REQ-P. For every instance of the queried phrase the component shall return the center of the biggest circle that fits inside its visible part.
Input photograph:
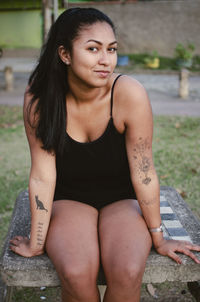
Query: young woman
(93, 188)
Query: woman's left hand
(21, 246)
(170, 247)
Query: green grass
(167, 291)
(14, 161)
(35, 294)
(176, 148)
(10, 116)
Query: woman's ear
(64, 55)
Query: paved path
(163, 94)
(161, 88)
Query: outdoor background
(156, 40)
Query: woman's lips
(102, 73)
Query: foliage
(136, 61)
(149, 58)
(196, 62)
(23, 4)
(184, 53)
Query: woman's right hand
(21, 246)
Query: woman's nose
(104, 59)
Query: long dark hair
(48, 82)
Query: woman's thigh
(125, 241)
(72, 239)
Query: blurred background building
(142, 26)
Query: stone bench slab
(39, 271)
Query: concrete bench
(178, 221)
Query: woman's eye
(93, 49)
(112, 49)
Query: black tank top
(97, 172)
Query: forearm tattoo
(147, 202)
(143, 163)
(40, 240)
(39, 204)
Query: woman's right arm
(41, 191)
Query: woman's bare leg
(125, 244)
(72, 245)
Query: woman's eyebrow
(100, 43)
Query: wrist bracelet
(155, 230)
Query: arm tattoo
(39, 204)
(39, 235)
(144, 164)
(148, 202)
(145, 167)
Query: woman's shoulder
(29, 108)
(27, 97)
(129, 92)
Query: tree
(47, 17)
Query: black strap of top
(112, 91)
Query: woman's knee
(77, 279)
(129, 272)
(126, 276)
(83, 273)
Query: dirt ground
(166, 292)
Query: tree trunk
(47, 17)
(55, 10)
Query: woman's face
(94, 55)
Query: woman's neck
(83, 93)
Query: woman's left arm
(139, 131)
